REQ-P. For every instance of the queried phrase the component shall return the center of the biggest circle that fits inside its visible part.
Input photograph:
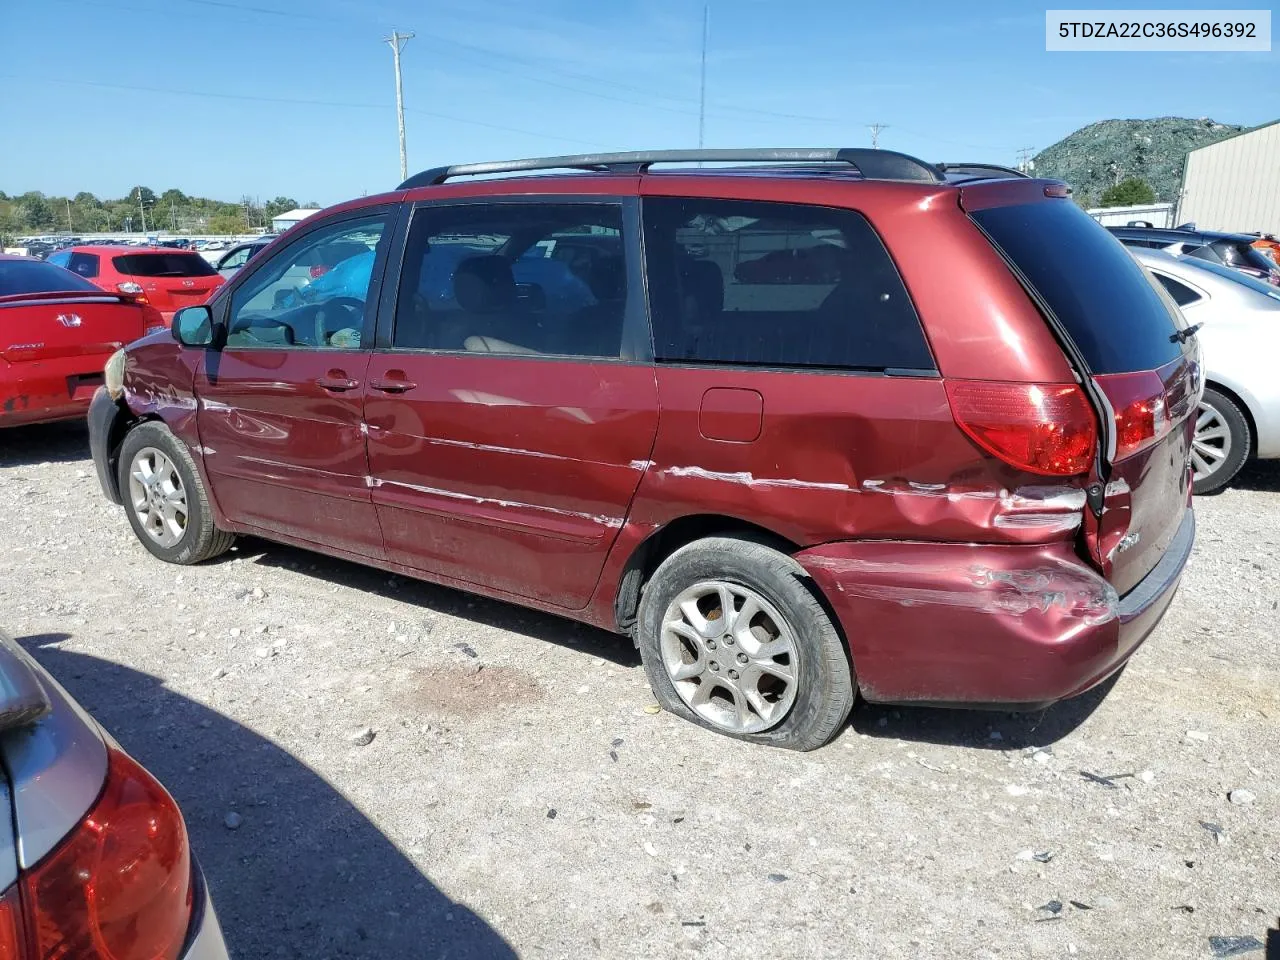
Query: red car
(167, 278)
(928, 460)
(56, 332)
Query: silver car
(1240, 338)
(96, 861)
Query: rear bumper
(45, 399)
(983, 625)
(205, 940)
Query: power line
(397, 41)
(299, 101)
(875, 129)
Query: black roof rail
(979, 170)
(872, 164)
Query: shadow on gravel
(1261, 475)
(974, 728)
(435, 599)
(44, 443)
(306, 875)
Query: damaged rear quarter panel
(959, 623)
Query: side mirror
(193, 327)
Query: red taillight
(132, 290)
(1141, 407)
(11, 926)
(319, 270)
(1045, 428)
(119, 887)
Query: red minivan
(167, 278)
(827, 422)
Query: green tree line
(171, 211)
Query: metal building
(1234, 184)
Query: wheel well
(1244, 409)
(678, 533)
(121, 424)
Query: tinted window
(1181, 293)
(164, 265)
(776, 285)
(526, 278)
(1239, 254)
(1097, 291)
(61, 259)
(299, 297)
(37, 276)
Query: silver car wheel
(158, 497)
(1211, 444)
(731, 656)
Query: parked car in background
(167, 279)
(56, 332)
(1239, 318)
(1235, 250)
(95, 861)
(894, 464)
(235, 258)
(1269, 245)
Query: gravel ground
(517, 797)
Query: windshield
(1245, 279)
(36, 276)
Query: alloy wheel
(731, 656)
(158, 497)
(1211, 444)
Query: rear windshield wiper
(1185, 334)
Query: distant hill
(1102, 154)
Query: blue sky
(265, 97)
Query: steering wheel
(350, 304)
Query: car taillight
(132, 290)
(11, 926)
(119, 887)
(1141, 407)
(319, 270)
(1045, 428)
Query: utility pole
(1025, 163)
(875, 129)
(69, 227)
(142, 211)
(702, 90)
(397, 41)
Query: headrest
(484, 284)
(703, 282)
(607, 279)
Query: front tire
(164, 498)
(1221, 443)
(734, 638)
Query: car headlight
(113, 375)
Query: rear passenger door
(511, 402)
(791, 368)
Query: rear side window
(1181, 293)
(775, 285)
(35, 276)
(1097, 291)
(84, 264)
(164, 265)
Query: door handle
(397, 385)
(336, 380)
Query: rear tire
(735, 639)
(164, 498)
(1222, 442)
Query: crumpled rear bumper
(986, 625)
